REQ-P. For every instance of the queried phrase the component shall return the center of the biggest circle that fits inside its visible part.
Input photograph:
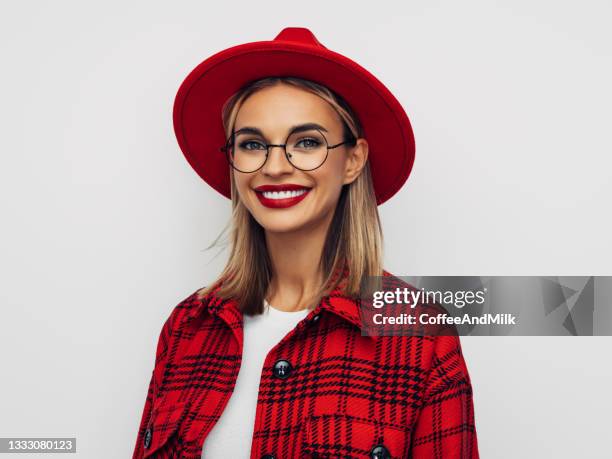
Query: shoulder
(439, 346)
(183, 310)
(180, 313)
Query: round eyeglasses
(305, 150)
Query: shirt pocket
(160, 432)
(347, 436)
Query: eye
(309, 143)
(251, 145)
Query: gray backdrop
(104, 223)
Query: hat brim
(200, 98)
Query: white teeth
(283, 194)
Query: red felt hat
(294, 52)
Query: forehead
(275, 109)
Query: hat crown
(300, 35)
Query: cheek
(242, 183)
(242, 189)
(329, 186)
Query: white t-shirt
(231, 436)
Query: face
(275, 111)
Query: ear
(356, 160)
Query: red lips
(281, 202)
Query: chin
(281, 225)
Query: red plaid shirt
(326, 391)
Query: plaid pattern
(346, 395)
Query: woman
(269, 361)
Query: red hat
(294, 52)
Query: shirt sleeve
(446, 427)
(160, 358)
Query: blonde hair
(354, 239)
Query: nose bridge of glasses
(283, 153)
(281, 145)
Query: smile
(283, 194)
(281, 198)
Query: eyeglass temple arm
(341, 143)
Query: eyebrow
(297, 128)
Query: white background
(104, 224)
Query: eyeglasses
(305, 150)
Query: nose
(277, 163)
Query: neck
(295, 258)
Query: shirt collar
(336, 302)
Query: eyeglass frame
(225, 148)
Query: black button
(268, 456)
(147, 437)
(316, 317)
(380, 452)
(281, 369)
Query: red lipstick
(281, 196)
